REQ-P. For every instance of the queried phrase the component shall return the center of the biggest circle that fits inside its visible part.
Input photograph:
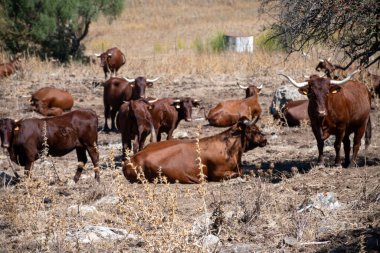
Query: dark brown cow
(338, 108)
(7, 69)
(111, 61)
(168, 112)
(77, 130)
(220, 156)
(50, 101)
(294, 112)
(227, 113)
(135, 124)
(117, 90)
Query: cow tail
(368, 133)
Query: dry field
(283, 204)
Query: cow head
(326, 66)
(251, 90)
(104, 58)
(6, 132)
(184, 106)
(139, 85)
(317, 89)
(251, 136)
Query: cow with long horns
(338, 108)
(228, 112)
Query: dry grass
(260, 211)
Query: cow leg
(82, 160)
(337, 145)
(320, 143)
(94, 155)
(113, 116)
(106, 116)
(357, 142)
(28, 168)
(347, 149)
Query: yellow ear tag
(304, 92)
(334, 91)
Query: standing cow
(168, 112)
(25, 139)
(135, 123)
(117, 90)
(338, 108)
(228, 112)
(50, 101)
(111, 61)
(178, 160)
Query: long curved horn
(176, 100)
(260, 87)
(241, 86)
(321, 60)
(129, 80)
(337, 82)
(328, 59)
(152, 80)
(109, 54)
(197, 100)
(298, 85)
(152, 101)
(97, 55)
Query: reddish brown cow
(228, 112)
(338, 108)
(117, 90)
(220, 156)
(77, 130)
(168, 112)
(50, 101)
(135, 123)
(111, 61)
(7, 69)
(294, 112)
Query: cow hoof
(337, 166)
(320, 166)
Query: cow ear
(335, 88)
(303, 90)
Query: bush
(268, 42)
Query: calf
(135, 123)
(168, 112)
(50, 101)
(111, 61)
(25, 139)
(338, 108)
(117, 90)
(181, 161)
(228, 112)
(7, 69)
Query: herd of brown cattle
(336, 105)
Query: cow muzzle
(322, 113)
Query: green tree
(51, 28)
(352, 26)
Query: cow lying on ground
(117, 90)
(168, 112)
(50, 101)
(111, 61)
(135, 124)
(227, 113)
(77, 130)
(177, 160)
(7, 69)
(338, 108)
(295, 112)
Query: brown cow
(294, 112)
(111, 61)
(135, 123)
(338, 108)
(50, 101)
(168, 112)
(77, 130)
(178, 160)
(227, 113)
(117, 90)
(7, 69)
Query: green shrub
(198, 45)
(268, 42)
(216, 43)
